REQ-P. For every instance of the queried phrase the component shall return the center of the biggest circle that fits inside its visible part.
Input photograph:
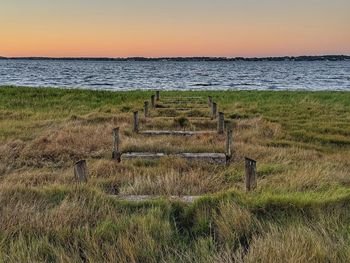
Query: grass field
(300, 211)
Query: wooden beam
(183, 98)
(183, 106)
(145, 198)
(181, 109)
(167, 118)
(208, 157)
(175, 133)
(157, 95)
(202, 103)
(142, 155)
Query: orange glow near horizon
(158, 28)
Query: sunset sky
(156, 28)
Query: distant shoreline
(198, 59)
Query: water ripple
(131, 75)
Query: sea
(175, 75)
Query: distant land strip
(284, 58)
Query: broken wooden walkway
(211, 157)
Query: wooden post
(250, 174)
(136, 121)
(153, 101)
(116, 145)
(229, 144)
(157, 95)
(214, 110)
(221, 123)
(146, 111)
(80, 171)
(210, 101)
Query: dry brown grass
(295, 244)
(45, 216)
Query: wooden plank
(181, 109)
(175, 133)
(184, 102)
(145, 198)
(183, 106)
(208, 157)
(182, 98)
(143, 155)
(207, 119)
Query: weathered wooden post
(229, 144)
(153, 101)
(221, 123)
(250, 174)
(210, 101)
(80, 171)
(116, 145)
(146, 110)
(136, 121)
(157, 95)
(214, 110)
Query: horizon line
(178, 57)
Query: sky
(170, 28)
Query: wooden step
(167, 118)
(182, 98)
(182, 106)
(183, 109)
(208, 157)
(183, 102)
(145, 198)
(175, 133)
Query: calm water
(129, 75)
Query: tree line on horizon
(282, 58)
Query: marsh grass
(299, 212)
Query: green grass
(299, 212)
